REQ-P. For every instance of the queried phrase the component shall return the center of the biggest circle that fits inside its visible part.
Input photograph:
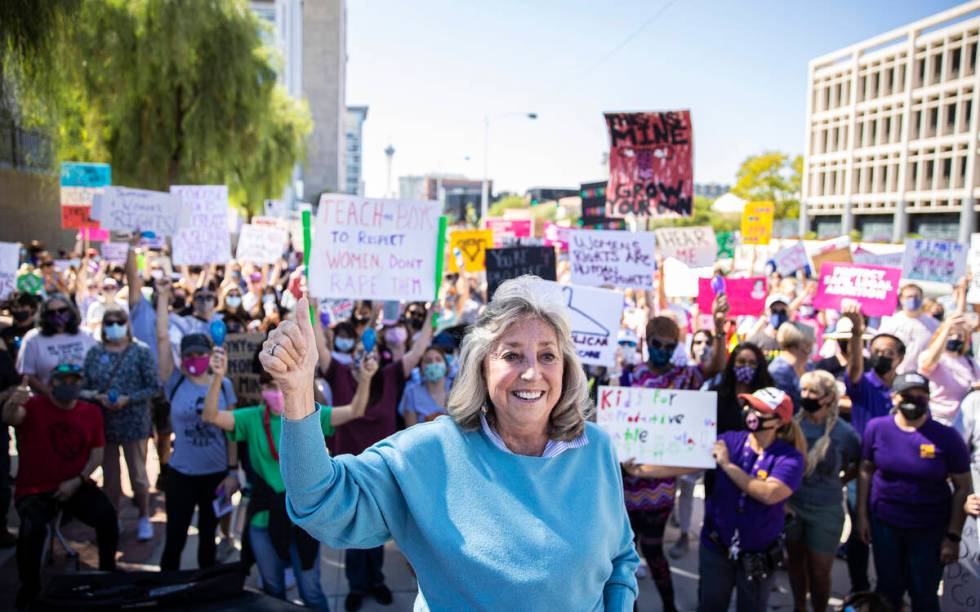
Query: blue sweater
(483, 529)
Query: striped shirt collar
(552, 449)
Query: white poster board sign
(694, 246)
(660, 426)
(203, 235)
(941, 261)
(374, 249)
(595, 315)
(614, 258)
(9, 262)
(261, 244)
(681, 280)
(961, 580)
(115, 252)
(973, 265)
(125, 209)
(791, 259)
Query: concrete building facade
(353, 151)
(892, 133)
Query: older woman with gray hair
(488, 503)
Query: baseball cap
(195, 343)
(66, 369)
(627, 335)
(770, 400)
(776, 297)
(910, 380)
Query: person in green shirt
(275, 541)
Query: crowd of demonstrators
(821, 416)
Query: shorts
(160, 413)
(819, 527)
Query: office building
(711, 190)
(455, 191)
(354, 139)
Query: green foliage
(775, 177)
(513, 201)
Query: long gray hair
(517, 300)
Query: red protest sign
(651, 170)
(875, 287)
(77, 217)
(746, 296)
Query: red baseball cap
(770, 400)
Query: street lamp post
(485, 186)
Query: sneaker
(680, 547)
(225, 549)
(382, 594)
(144, 529)
(641, 571)
(353, 601)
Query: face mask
(911, 304)
(778, 318)
(434, 371)
(65, 393)
(397, 335)
(810, 404)
(268, 298)
(954, 345)
(20, 315)
(913, 409)
(660, 357)
(237, 275)
(196, 366)
(630, 355)
(274, 400)
(114, 331)
(745, 374)
(233, 301)
(344, 345)
(881, 365)
(255, 276)
(180, 302)
(938, 316)
(75, 262)
(156, 274)
(753, 422)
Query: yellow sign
(757, 222)
(470, 247)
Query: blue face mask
(114, 331)
(778, 318)
(434, 371)
(343, 345)
(660, 357)
(912, 304)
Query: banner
(504, 264)
(757, 222)
(241, 350)
(261, 244)
(125, 209)
(472, 245)
(746, 296)
(556, 235)
(660, 426)
(373, 249)
(875, 287)
(115, 252)
(610, 257)
(651, 169)
(506, 230)
(9, 262)
(594, 315)
(791, 259)
(726, 245)
(203, 235)
(80, 182)
(940, 261)
(694, 246)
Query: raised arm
(719, 352)
(165, 356)
(414, 356)
(224, 419)
(13, 409)
(133, 278)
(929, 358)
(355, 410)
(855, 347)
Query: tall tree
(772, 176)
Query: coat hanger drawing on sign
(597, 329)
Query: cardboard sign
(841, 255)
(261, 244)
(651, 164)
(746, 296)
(472, 245)
(372, 249)
(609, 257)
(660, 426)
(791, 259)
(757, 222)
(694, 246)
(506, 230)
(556, 235)
(940, 261)
(875, 287)
(504, 264)
(79, 183)
(594, 315)
(726, 245)
(241, 350)
(115, 252)
(973, 264)
(9, 262)
(125, 209)
(203, 235)
(889, 260)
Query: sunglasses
(656, 344)
(203, 297)
(57, 310)
(113, 321)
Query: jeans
(720, 575)
(272, 569)
(183, 494)
(858, 552)
(363, 568)
(908, 560)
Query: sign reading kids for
(609, 257)
(942, 261)
(373, 249)
(472, 247)
(203, 235)
(660, 426)
(651, 170)
(79, 184)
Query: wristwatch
(953, 537)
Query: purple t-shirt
(870, 398)
(909, 488)
(729, 508)
(378, 421)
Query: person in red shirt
(60, 441)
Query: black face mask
(881, 365)
(913, 409)
(180, 302)
(810, 404)
(754, 422)
(65, 393)
(954, 345)
(20, 315)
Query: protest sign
(276, 208)
(472, 245)
(651, 169)
(791, 259)
(940, 261)
(840, 255)
(124, 209)
(875, 287)
(338, 310)
(726, 245)
(594, 315)
(261, 244)
(506, 230)
(757, 222)
(79, 183)
(504, 264)
(660, 426)
(241, 350)
(115, 252)
(681, 280)
(9, 262)
(694, 246)
(203, 235)
(609, 257)
(556, 235)
(746, 296)
(92, 234)
(961, 579)
(30, 283)
(889, 260)
(373, 249)
(973, 264)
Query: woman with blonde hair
(486, 503)
(815, 512)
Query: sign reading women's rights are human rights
(374, 249)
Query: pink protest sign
(506, 230)
(746, 296)
(93, 234)
(556, 235)
(875, 287)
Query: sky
(432, 70)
